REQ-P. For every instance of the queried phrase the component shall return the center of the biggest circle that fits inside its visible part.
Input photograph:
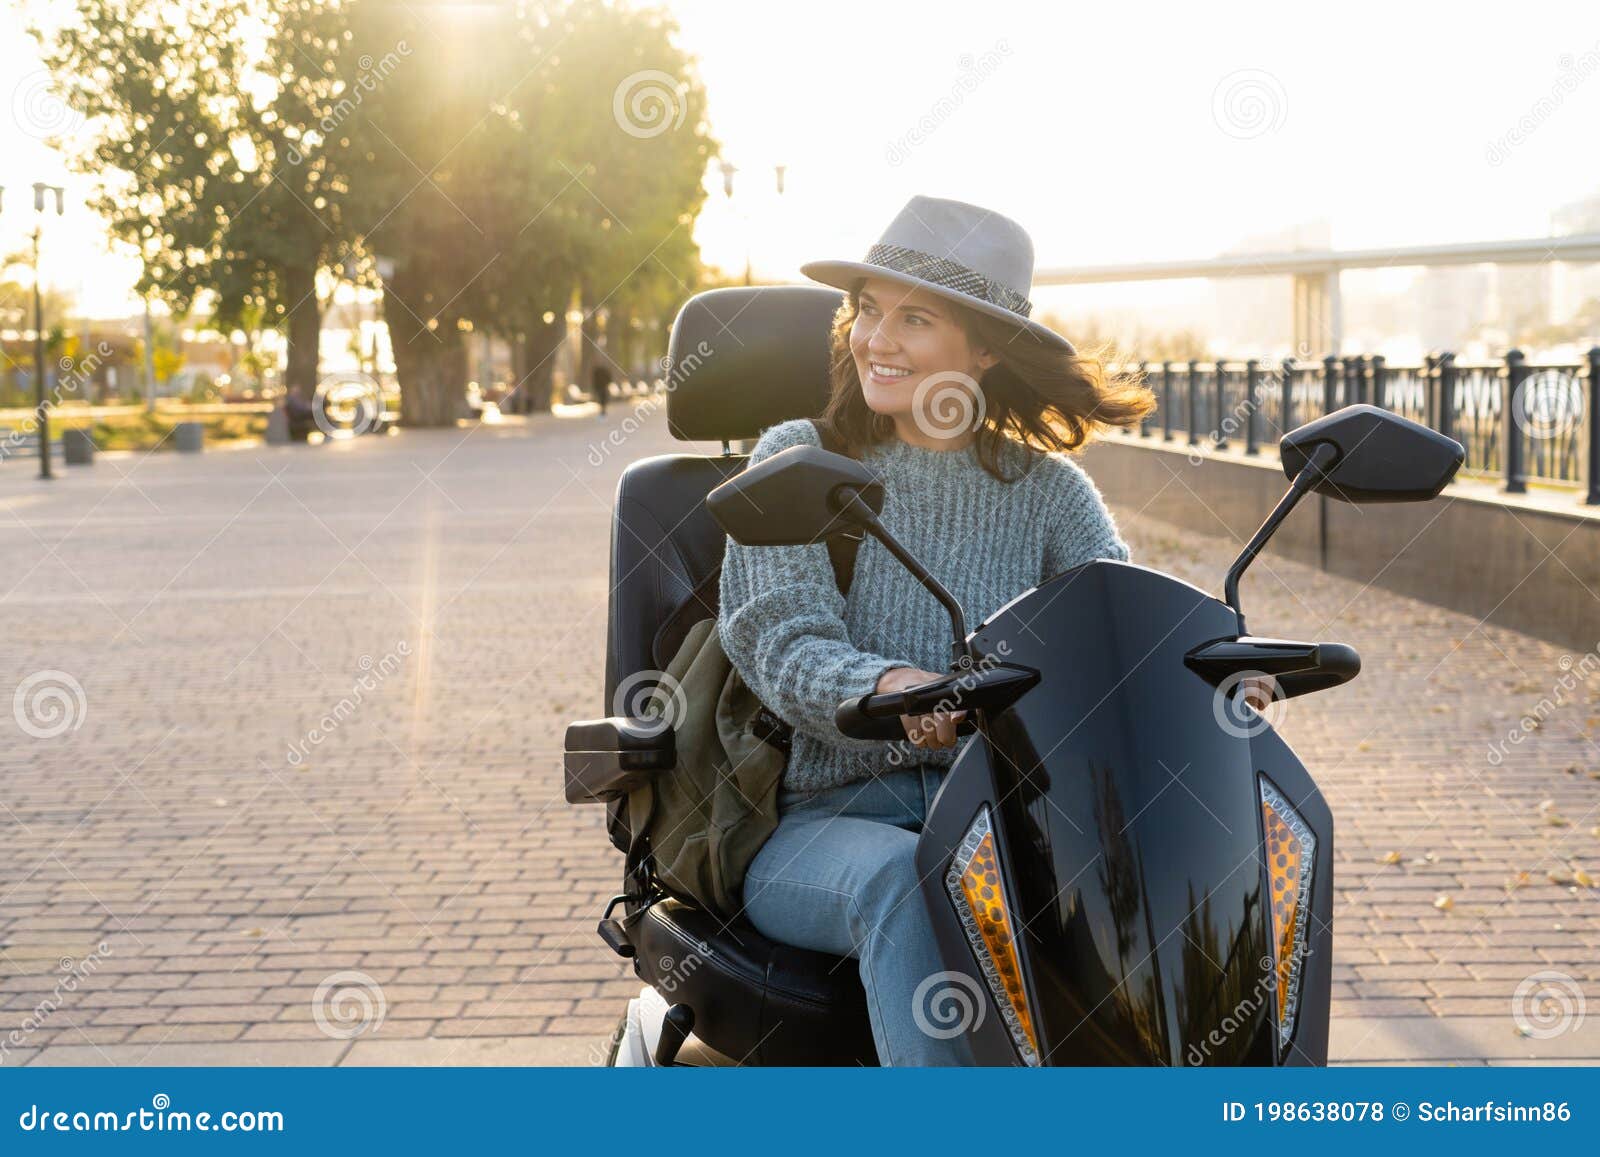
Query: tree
(622, 108)
(429, 143)
(212, 129)
(503, 182)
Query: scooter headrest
(744, 359)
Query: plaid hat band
(948, 274)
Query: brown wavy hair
(1038, 395)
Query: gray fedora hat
(972, 256)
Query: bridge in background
(1318, 315)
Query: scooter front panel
(1128, 825)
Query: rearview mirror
(793, 498)
(1380, 456)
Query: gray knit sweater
(802, 647)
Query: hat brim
(845, 274)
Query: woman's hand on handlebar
(936, 730)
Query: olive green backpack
(700, 824)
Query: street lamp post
(728, 170)
(41, 407)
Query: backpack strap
(843, 547)
(704, 601)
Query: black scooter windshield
(1127, 801)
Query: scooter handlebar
(878, 716)
(852, 719)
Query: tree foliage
(491, 165)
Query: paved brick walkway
(310, 704)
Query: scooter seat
(754, 1000)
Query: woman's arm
(1081, 526)
(782, 623)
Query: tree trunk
(588, 341)
(430, 364)
(619, 344)
(304, 328)
(536, 375)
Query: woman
(964, 407)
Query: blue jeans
(839, 875)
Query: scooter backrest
(741, 360)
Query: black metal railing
(1519, 420)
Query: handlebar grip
(852, 719)
(878, 716)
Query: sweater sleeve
(782, 623)
(1082, 528)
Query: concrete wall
(1527, 562)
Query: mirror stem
(863, 516)
(1310, 474)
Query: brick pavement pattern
(282, 763)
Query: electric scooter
(1125, 864)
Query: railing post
(1430, 370)
(1166, 401)
(1252, 385)
(1380, 382)
(1286, 418)
(1594, 428)
(1516, 373)
(1194, 399)
(1353, 391)
(1330, 383)
(1447, 394)
(1219, 436)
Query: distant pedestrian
(301, 413)
(602, 386)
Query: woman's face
(901, 336)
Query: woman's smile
(886, 373)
